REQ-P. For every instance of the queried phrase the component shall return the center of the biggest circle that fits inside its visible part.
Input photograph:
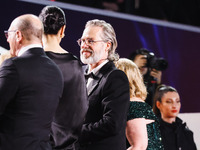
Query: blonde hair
(137, 87)
(4, 56)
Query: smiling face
(169, 106)
(95, 52)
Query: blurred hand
(156, 74)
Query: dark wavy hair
(53, 18)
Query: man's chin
(88, 60)
(85, 60)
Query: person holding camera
(151, 68)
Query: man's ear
(108, 46)
(19, 36)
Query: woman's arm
(136, 133)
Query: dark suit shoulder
(113, 77)
(8, 61)
(110, 70)
(8, 68)
(117, 71)
(117, 76)
(108, 67)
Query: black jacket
(105, 121)
(176, 136)
(30, 88)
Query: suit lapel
(94, 83)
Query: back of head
(160, 91)
(137, 87)
(108, 34)
(30, 26)
(53, 18)
(28, 30)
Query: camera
(152, 61)
(156, 63)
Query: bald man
(30, 87)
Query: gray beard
(93, 59)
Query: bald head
(30, 26)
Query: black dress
(176, 136)
(143, 110)
(73, 104)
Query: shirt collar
(24, 49)
(95, 70)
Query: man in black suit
(108, 89)
(30, 87)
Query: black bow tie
(90, 75)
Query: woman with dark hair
(73, 104)
(175, 134)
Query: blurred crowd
(179, 11)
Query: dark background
(181, 47)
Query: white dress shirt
(95, 71)
(24, 49)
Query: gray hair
(109, 35)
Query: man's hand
(156, 74)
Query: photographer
(151, 68)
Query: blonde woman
(142, 128)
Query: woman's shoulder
(140, 104)
(62, 56)
(139, 109)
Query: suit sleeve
(114, 103)
(8, 84)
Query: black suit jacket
(104, 126)
(30, 88)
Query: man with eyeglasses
(30, 88)
(107, 87)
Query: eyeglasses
(88, 42)
(6, 32)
